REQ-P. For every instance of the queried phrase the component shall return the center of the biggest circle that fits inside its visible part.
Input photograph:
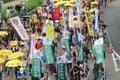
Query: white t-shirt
(61, 59)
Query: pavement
(12, 3)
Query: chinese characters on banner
(48, 50)
(16, 22)
(89, 22)
(36, 70)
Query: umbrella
(92, 10)
(68, 4)
(93, 3)
(2, 33)
(13, 43)
(14, 63)
(60, 3)
(16, 55)
(5, 52)
(2, 60)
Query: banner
(81, 51)
(36, 68)
(51, 9)
(50, 31)
(65, 34)
(49, 54)
(61, 72)
(32, 43)
(71, 23)
(96, 20)
(78, 5)
(19, 27)
(67, 46)
(47, 41)
(89, 23)
(57, 13)
(65, 25)
(98, 50)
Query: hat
(21, 70)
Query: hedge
(30, 5)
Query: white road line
(115, 64)
(114, 52)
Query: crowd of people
(75, 68)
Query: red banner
(57, 13)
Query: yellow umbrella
(60, 3)
(16, 55)
(14, 63)
(5, 52)
(94, 3)
(13, 43)
(68, 4)
(2, 60)
(2, 33)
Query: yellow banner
(89, 22)
(50, 31)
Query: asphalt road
(112, 16)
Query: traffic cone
(110, 50)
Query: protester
(73, 51)
(22, 74)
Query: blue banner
(96, 20)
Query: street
(111, 15)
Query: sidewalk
(12, 3)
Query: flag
(71, 23)
(96, 20)
(81, 51)
(57, 13)
(98, 50)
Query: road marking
(113, 54)
(115, 62)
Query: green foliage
(30, 5)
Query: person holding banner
(84, 71)
(74, 71)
